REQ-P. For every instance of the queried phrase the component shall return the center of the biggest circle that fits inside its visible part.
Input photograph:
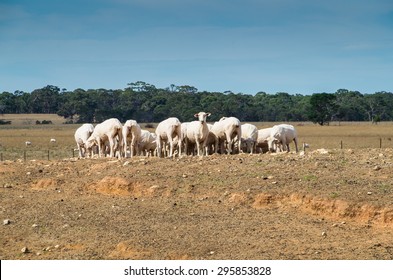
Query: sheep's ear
(208, 114)
(196, 115)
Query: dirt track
(334, 205)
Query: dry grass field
(24, 128)
(327, 203)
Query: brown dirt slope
(335, 204)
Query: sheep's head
(89, 144)
(272, 143)
(202, 116)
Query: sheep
(147, 143)
(226, 129)
(197, 132)
(262, 139)
(166, 131)
(211, 140)
(282, 134)
(249, 137)
(81, 135)
(108, 130)
(53, 140)
(28, 143)
(184, 134)
(131, 129)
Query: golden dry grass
(353, 135)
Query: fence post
(24, 155)
(341, 144)
(48, 154)
(1, 157)
(73, 153)
(380, 143)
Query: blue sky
(294, 46)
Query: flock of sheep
(172, 137)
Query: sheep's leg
(159, 147)
(170, 140)
(186, 146)
(229, 140)
(120, 135)
(295, 140)
(179, 145)
(111, 147)
(204, 147)
(132, 146)
(216, 142)
(198, 147)
(80, 150)
(125, 144)
(99, 148)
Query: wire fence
(59, 153)
(38, 154)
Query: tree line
(146, 103)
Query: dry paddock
(329, 203)
(334, 205)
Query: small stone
(211, 252)
(6, 222)
(7, 186)
(34, 225)
(274, 182)
(376, 168)
(324, 234)
(185, 176)
(28, 173)
(57, 246)
(25, 250)
(369, 193)
(126, 163)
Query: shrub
(2, 122)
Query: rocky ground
(325, 204)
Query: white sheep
(53, 140)
(197, 132)
(108, 130)
(166, 131)
(184, 134)
(28, 143)
(226, 129)
(148, 143)
(131, 131)
(211, 140)
(81, 135)
(249, 137)
(282, 134)
(262, 140)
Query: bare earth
(334, 205)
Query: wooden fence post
(24, 155)
(380, 143)
(341, 144)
